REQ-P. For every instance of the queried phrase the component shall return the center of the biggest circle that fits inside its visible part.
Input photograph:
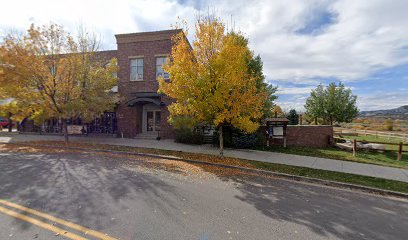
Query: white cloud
(102, 17)
(295, 90)
(382, 100)
(297, 102)
(365, 37)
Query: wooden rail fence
(399, 151)
(357, 132)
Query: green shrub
(261, 139)
(242, 140)
(188, 136)
(234, 138)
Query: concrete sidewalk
(263, 156)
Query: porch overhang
(144, 100)
(146, 94)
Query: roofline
(146, 36)
(105, 51)
(148, 33)
(113, 50)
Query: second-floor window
(160, 61)
(136, 69)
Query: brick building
(141, 111)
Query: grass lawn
(280, 168)
(387, 158)
(335, 176)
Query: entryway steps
(146, 135)
(207, 139)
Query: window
(160, 61)
(136, 69)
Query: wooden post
(354, 147)
(267, 138)
(399, 151)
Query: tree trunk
(65, 127)
(315, 120)
(221, 141)
(331, 121)
(10, 122)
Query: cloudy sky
(363, 43)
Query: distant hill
(395, 113)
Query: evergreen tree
(293, 117)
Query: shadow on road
(87, 182)
(77, 187)
(325, 211)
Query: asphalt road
(133, 198)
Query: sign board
(276, 128)
(278, 131)
(75, 129)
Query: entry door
(153, 121)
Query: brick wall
(166, 130)
(105, 56)
(309, 136)
(149, 51)
(128, 120)
(306, 136)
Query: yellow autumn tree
(8, 108)
(210, 80)
(11, 110)
(55, 75)
(277, 111)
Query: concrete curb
(251, 170)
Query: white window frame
(137, 68)
(163, 72)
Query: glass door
(150, 121)
(153, 119)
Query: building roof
(146, 36)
